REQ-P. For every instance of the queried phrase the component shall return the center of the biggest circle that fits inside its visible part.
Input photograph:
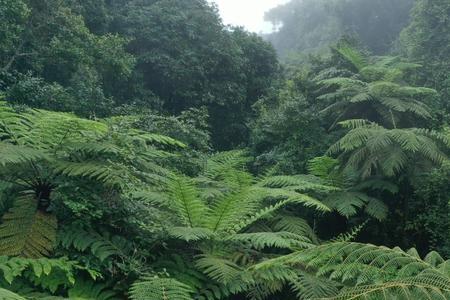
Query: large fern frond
(11, 154)
(27, 231)
(219, 269)
(90, 290)
(160, 289)
(8, 295)
(368, 147)
(185, 201)
(282, 240)
(425, 286)
(102, 246)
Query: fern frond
(351, 55)
(27, 231)
(294, 225)
(101, 246)
(89, 290)
(233, 207)
(109, 174)
(8, 295)
(160, 289)
(262, 213)
(185, 201)
(190, 234)
(224, 162)
(350, 235)
(13, 154)
(52, 130)
(421, 287)
(300, 183)
(282, 240)
(13, 126)
(219, 269)
(363, 264)
(308, 286)
(152, 138)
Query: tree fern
(373, 90)
(41, 151)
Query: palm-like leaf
(369, 147)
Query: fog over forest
(224, 150)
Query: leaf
(27, 231)
(160, 289)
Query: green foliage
(372, 149)
(7, 295)
(376, 91)
(47, 273)
(101, 246)
(27, 232)
(286, 133)
(136, 206)
(91, 291)
(160, 289)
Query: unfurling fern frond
(160, 289)
(27, 231)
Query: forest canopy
(148, 151)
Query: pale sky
(247, 13)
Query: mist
(313, 25)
